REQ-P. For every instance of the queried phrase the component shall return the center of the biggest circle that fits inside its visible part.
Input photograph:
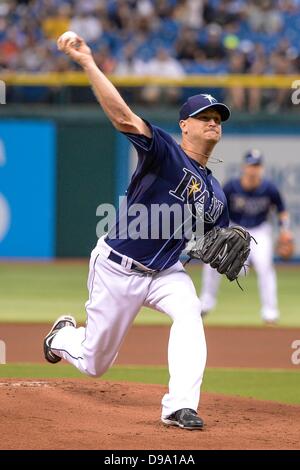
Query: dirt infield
(227, 347)
(89, 414)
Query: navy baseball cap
(198, 103)
(253, 157)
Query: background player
(126, 273)
(251, 198)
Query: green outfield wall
(85, 179)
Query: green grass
(275, 385)
(41, 292)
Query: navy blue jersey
(252, 208)
(165, 175)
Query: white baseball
(68, 35)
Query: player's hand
(77, 49)
(285, 245)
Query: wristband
(285, 224)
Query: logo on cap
(254, 157)
(210, 98)
(198, 103)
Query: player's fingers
(72, 52)
(64, 44)
(80, 39)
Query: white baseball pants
(116, 294)
(261, 257)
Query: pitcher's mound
(92, 414)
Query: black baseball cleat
(186, 418)
(61, 322)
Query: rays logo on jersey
(193, 191)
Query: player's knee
(194, 309)
(188, 311)
(92, 373)
(95, 368)
(95, 371)
(194, 316)
(98, 366)
(95, 365)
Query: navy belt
(118, 259)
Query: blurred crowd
(160, 37)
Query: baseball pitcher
(127, 272)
